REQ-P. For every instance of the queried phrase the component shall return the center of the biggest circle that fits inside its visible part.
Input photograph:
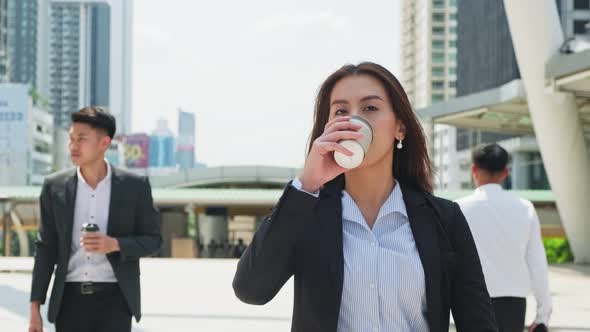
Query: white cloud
(151, 34)
(299, 21)
(250, 74)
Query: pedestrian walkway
(196, 295)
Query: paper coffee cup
(90, 227)
(359, 147)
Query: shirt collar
(106, 178)
(394, 203)
(489, 188)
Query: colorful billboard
(137, 150)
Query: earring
(399, 144)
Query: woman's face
(365, 96)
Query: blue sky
(250, 69)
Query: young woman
(370, 248)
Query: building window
(41, 147)
(438, 17)
(452, 70)
(537, 175)
(452, 43)
(453, 17)
(452, 84)
(438, 30)
(438, 44)
(453, 29)
(438, 85)
(438, 4)
(437, 97)
(580, 26)
(438, 58)
(438, 71)
(582, 4)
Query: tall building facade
(66, 88)
(485, 51)
(87, 57)
(22, 41)
(3, 41)
(481, 45)
(161, 151)
(162, 146)
(429, 61)
(185, 154)
(575, 17)
(429, 50)
(487, 61)
(26, 138)
(84, 58)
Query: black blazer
(133, 220)
(303, 237)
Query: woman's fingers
(336, 120)
(326, 147)
(342, 126)
(340, 135)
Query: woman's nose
(355, 112)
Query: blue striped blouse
(384, 285)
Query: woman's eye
(340, 112)
(371, 108)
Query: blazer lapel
(422, 222)
(116, 197)
(329, 216)
(71, 188)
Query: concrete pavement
(196, 295)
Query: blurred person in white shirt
(507, 235)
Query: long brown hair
(411, 165)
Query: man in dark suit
(96, 285)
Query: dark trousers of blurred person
(510, 313)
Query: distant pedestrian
(212, 248)
(507, 234)
(239, 249)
